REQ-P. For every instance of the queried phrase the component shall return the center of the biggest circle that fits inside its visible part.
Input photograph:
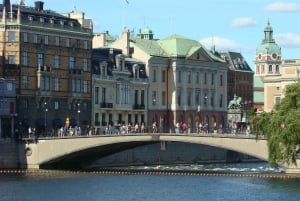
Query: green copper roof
(176, 45)
(268, 45)
(151, 47)
(258, 97)
(268, 48)
(147, 30)
(257, 82)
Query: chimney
(39, 5)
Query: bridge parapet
(36, 152)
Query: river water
(247, 182)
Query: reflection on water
(113, 185)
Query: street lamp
(46, 110)
(78, 112)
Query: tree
(281, 126)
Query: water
(250, 183)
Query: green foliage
(281, 127)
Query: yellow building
(49, 56)
(273, 71)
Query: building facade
(268, 60)
(240, 81)
(7, 108)
(49, 56)
(187, 83)
(120, 87)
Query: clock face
(274, 55)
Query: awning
(26, 122)
(57, 122)
(41, 122)
(73, 122)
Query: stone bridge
(34, 153)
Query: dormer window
(52, 20)
(62, 22)
(30, 18)
(42, 19)
(71, 24)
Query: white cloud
(283, 7)
(243, 22)
(288, 40)
(221, 44)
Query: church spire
(268, 34)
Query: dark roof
(236, 61)
(35, 14)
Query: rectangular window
(154, 75)
(197, 97)
(179, 97)
(154, 99)
(163, 76)
(189, 76)
(25, 82)
(103, 119)
(71, 62)
(212, 79)
(67, 42)
(163, 97)
(96, 118)
(136, 96)
(77, 43)
(96, 95)
(46, 40)
(189, 98)
(197, 77)
(41, 59)
(143, 97)
(25, 37)
(103, 95)
(57, 41)
(179, 77)
(56, 84)
(45, 83)
(221, 80)
(205, 78)
(85, 86)
(11, 36)
(85, 44)
(56, 105)
(85, 65)
(35, 38)
(11, 59)
(221, 100)
(25, 58)
(56, 61)
(277, 99)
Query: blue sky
(235, 25)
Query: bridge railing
(148, 130)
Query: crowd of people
(179, 127)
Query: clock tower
(268, 55)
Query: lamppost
(78, 112)
(46, 110)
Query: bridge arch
(45, 150)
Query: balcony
(138, 106)
(106, 105)
(75, 71)
(11, 68)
